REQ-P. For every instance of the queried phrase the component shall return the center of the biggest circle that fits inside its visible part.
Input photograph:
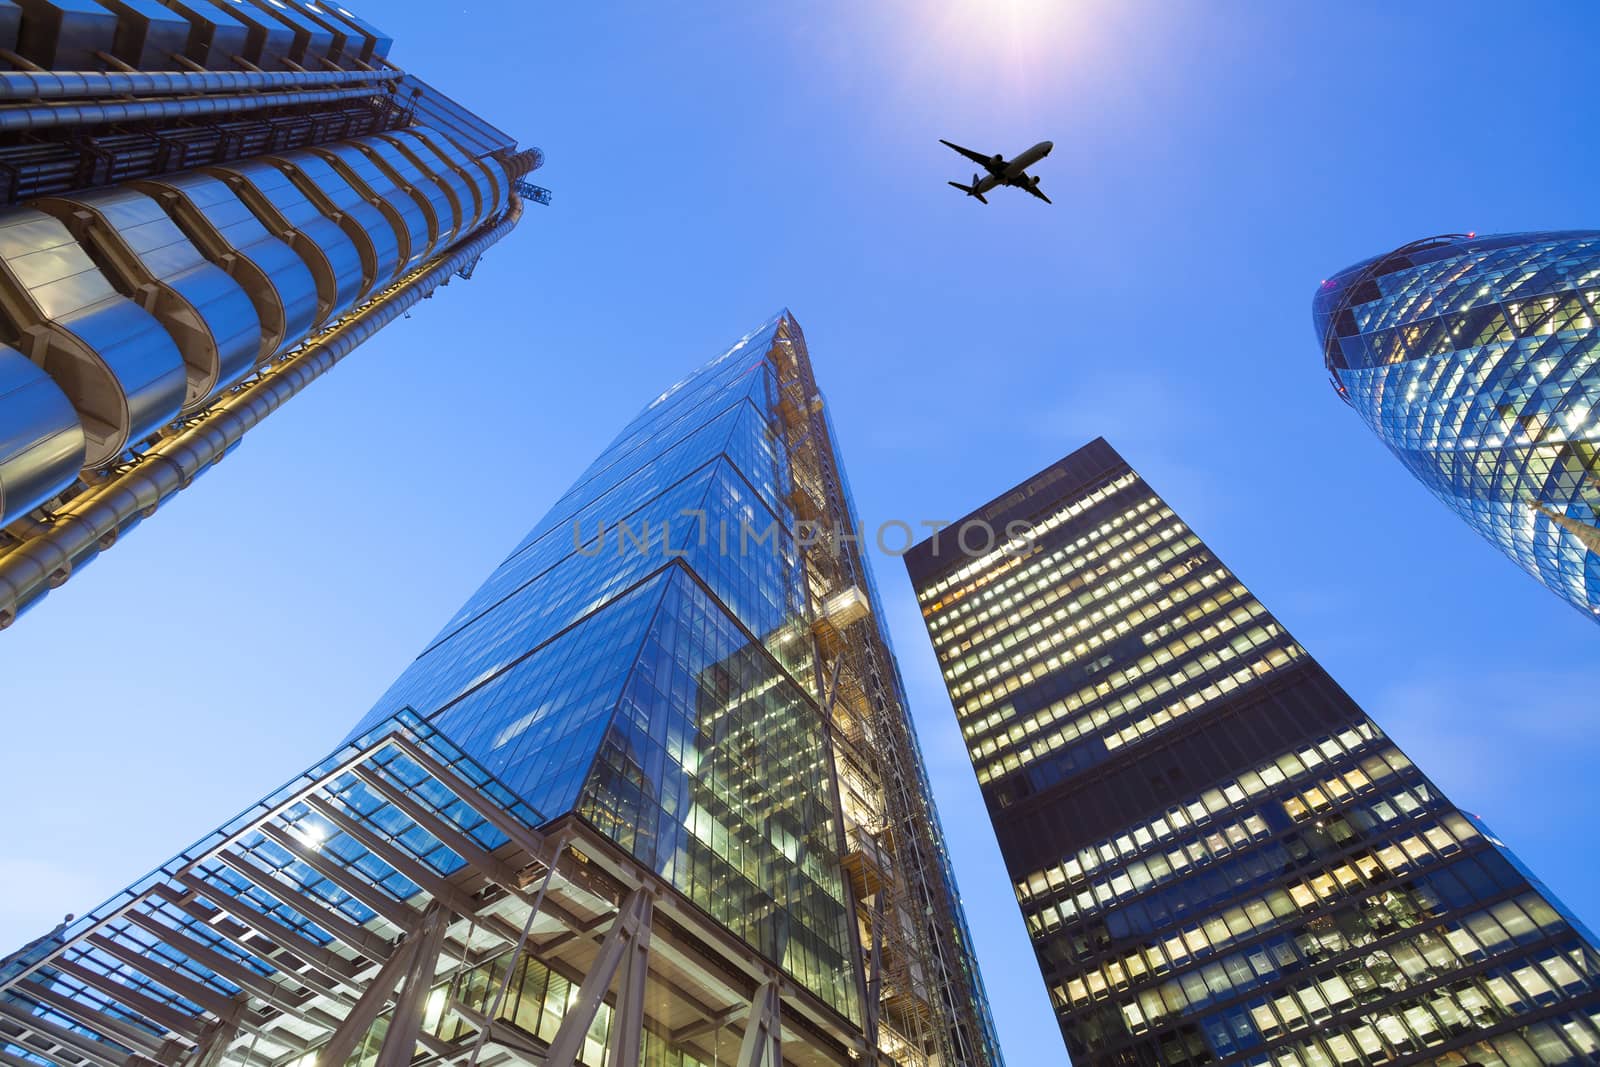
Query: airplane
(1002, 171)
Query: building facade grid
(1220, 859)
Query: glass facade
(1476, 360)
(1219, 857)
(647, 659)
(671, 678)
(629, 662)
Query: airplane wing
(977, 157)
(1034, 189)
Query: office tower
(663, 748)
(1220, 858)
(1477, 361)
(204, 205)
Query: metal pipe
(524, 162)
(93, 519)
(64, 84)
(45, 116)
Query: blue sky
(712, 163)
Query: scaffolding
(924, 1003)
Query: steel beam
(459, 842)
(8, 1060)
(450, 834)
(500, 1032)
(707, 1026)
(333, 969)
(528, 838)
(318, 911)
(219, 963)
(397, 912)
(215, 1001)
(189, 1027)
(99, 923)
(434, 883)
(118, 1030)
(577, 931)
(96, 1052)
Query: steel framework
(392, 907)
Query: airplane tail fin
(970, 190)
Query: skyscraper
(204, 205)
(664, 747)
(1477, 361)
(1220, 858)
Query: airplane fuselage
(1015, 170)
(1024, 160)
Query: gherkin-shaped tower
(1477, 361)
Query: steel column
(875, 983)
(400, 1040)
(516, 954)
(620, 946)
(372, 1002)
(627, 1020)
(214, 1042)
(763, 1034)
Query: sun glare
(1002, 45)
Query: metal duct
(96, 518)
(59, 85)
(47, 116)
(116, 364)
(377, 242)
(149, 260)
(397, 206)
(523, 163)
(333, 258)
(277, 280)
(68, 34)
(41, 439)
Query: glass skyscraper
(204, 205)
(1220, 858)
(1477, 361)
(663, 748)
